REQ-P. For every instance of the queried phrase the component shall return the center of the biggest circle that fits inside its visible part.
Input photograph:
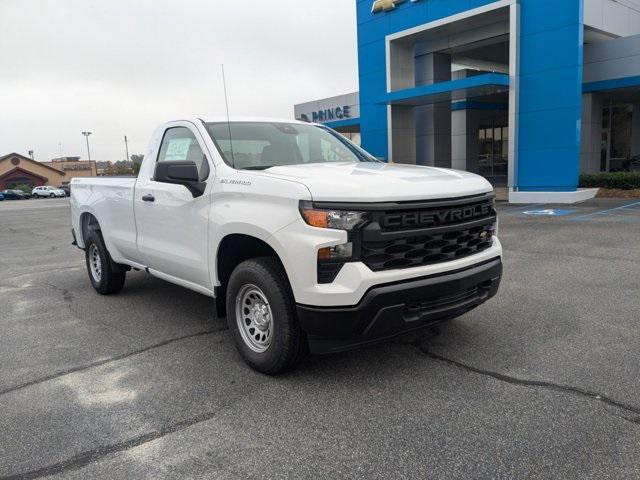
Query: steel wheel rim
(95, 263)
(254, 318)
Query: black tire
(112, 275)
(288, 342)
(53, 195)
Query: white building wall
(616, 17)
(617, 58)
(352, 100)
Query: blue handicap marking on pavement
(618, 212)
(549, 212)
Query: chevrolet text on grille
(437, 216)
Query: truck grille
(427, 233)
(421, 250)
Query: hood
(379, 182)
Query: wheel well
(235, 249)
(88, 222)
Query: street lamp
(126, 147)
(86, 136)
(31, 154)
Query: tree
(118, 170)
(24, 188)
(137, 162)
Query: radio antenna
(226, 101)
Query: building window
(616, 139)
(493, 152)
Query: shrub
(618, 180)
(24, 188)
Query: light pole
(86, 136)
(126, 148)
(31, 154)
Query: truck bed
(111, 200)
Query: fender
(116, 257)
(251, 231)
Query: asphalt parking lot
(541, 382)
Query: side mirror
(180, 173)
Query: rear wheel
(106, 276)
(53, 195)
(261, 316)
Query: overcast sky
(121, 67)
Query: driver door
(172, 225)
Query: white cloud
(122, 67)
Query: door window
(179, 144)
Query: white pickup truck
(306, 241)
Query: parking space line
(608, 211)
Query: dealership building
(528, 93)
(20, 171)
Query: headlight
(335, 219)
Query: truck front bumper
(390, 309)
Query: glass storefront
(493, 153)
(616, 139)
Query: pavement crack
(584, 393)
(635, 420)
(108, 360)
(83, 459)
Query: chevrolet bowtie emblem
(384, 5)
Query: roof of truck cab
(219, 119)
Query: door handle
(148, 198)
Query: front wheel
(106, 276)
(261, 316)
(53, 195)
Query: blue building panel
(541, 15)
(372, 31)
(487, 81)
(546, 169)
(337, 124)
(550, 82)
(550, 103)
(613, 84)
(541, 86)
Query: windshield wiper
(257, 167)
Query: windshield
(260, 145)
